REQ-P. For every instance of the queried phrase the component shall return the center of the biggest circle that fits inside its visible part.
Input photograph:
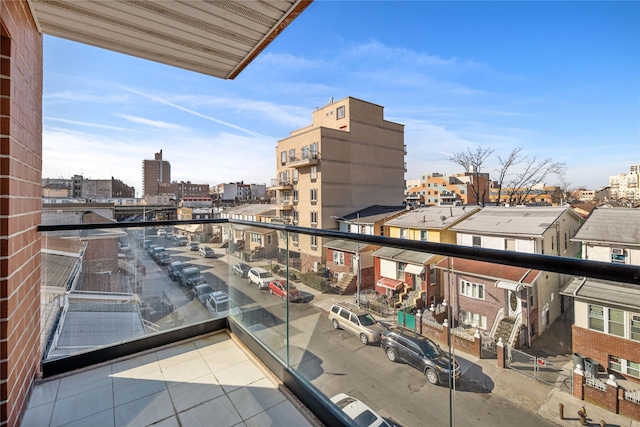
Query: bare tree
(535, 171)
(505, 165)
(472, 162)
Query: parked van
(190, 277)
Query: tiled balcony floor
(206, 382)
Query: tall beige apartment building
(154, 173)
(349, 158)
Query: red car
(279, 288)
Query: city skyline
(559, 79)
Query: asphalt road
(335, 361)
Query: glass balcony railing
(108, 285)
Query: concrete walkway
(520, 389)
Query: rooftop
(189, 384)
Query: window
(624, 366)
(471, 290)
(400, 272)
(566, 241)
(283, 157)
(314, 173)
(552, 242)
(340, 112)
(615, 363)
(509, 244)
(619, 256)
(473, 319)
(292, 155)
(635, 327)
(476, 241)
(295, 238)
(314, 241)
(596, 317)
(338, 258)
(295, 217)
(616, 322)
(268, 239)
(295, 175)
(295, 196)
(314, 195)
(432, 276)
(314, 150)
(424, 235)
(403, 233)
(314, 218)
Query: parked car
(163, 258)
(190, 277)
(279, 288)
(193, 246)
(124, 247)
(220, 305)
(201, 292)
(175, 268)
(260, 277)
(357, 321)
(156, 251)
(162, 232)
(182, 240)
(403, 345)
(206, 252)
(241, 269)
(360, 413)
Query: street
(332, 360)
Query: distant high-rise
(154, 172)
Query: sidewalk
(519, 389)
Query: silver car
(356, 321)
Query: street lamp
(359, 272)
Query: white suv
(260, 277)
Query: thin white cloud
(151, 123)
(77, 97)
(86, 124)
(195, 113)
(289, 61)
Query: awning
(389, 283)
(512, 286)
(190, 228)
(414, 269)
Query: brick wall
(598, 346)
(20, 206)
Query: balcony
(147, 352)
(306, 160)
(277, 185)
(284, 203)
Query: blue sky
(560, 79)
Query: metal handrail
(573, 266)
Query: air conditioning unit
(617, 251)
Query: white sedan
(360, 413)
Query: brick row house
(607, 314)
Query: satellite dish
(443, 218)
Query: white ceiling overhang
(213, 37)
(512, 286)
(414, 269)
